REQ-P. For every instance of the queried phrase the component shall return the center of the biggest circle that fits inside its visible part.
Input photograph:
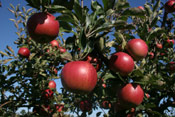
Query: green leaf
(148, 10)
(65, 27)
(66, 3)
(108, 4)
(121, 4)
(66, 56)
(96, 7)
(78, 10)
(98, 114)
(10, 49)
(34, 3)
(154, 33)
(6, 60)
(59, 8)
(156, 6)
(134, 12)
(70, 41)
(82, 39)
(67, 18)
(3, 53)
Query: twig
(5, 103)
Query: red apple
(79, 77)
(55, 43)
(147, 95)
(105, 104)
(59, 107)
(159, 46)
(42, 27)
(170, 42)
(52, 84)
(141, 7)
(62, 50)
(85, 106)
(131, 95)
(122, 63)
(170, 6)
(137, 48)
(94, 61)
(151, 55)
(47, 94)
(23, 51)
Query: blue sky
(7, 28)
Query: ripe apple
(59, 107)
(47, 94)
(54, 43)
(159, 46)
(147, 95)
(94, 61)
(42, 27)
(170, 42)
(79, 77)
(85, 106)
(105, 104)
(122, 63)
(24, 52)
(151, 55)
(62, 50)
(137, 48)
(131, 95)
(141, 7)
(170, 6)
(52, 84)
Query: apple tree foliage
(100, 29)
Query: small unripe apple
(24, 52)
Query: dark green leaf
(64, 26)
(134, 12)
(78, 10)
(82, 39)
(121, 4)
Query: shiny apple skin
(23, 51)
(54, 43)
(52, 84)
(79, 77)
(131, 95)
(121, 62)
(137, 48)
(42, 27)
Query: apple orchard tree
(115, 60)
